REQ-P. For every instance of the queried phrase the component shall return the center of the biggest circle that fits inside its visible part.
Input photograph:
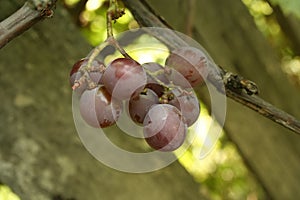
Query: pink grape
(98, 108)
(75, 74)
(177, 78)
(139, 105)
(95, 76)
(74, 71)
(190, 62)
(188, 104)
(164, 128)
(124, 77)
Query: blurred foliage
(93, 20)
(7, 194)
(143, 49)
(71, 2)
(222, 173)
(94, 24)
(266, 22)
(289, 6)
(291, 65)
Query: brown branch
(24, 18)
(241, 90)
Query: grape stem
(170, 85)
(112, 14)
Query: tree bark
(227, 31)
(41, 156)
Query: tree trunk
(41, 156)
(227, 31)
(289, 25)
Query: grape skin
(177, 78)
(75, 75)
(124, 77)
(190, 62)
(164, 128)
(74, 71)
(95, 76)
(188, 104)
(98, 108)
(139, 105)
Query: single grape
(164, 128)
(124, 77)
(75, 75)
(98, 108)
(188, 104)
(177, 78)
(158, 72)
(95, 74)
(139, 105)
(190, 62)
(74, 71)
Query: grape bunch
(160, 98)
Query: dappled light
(71, 2)
(93, 4)
(7, 194)
(268, 24)
(292, 67)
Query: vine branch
(237, 88)
(24, 18)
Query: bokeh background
(42, 158)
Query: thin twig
(24, 18)
(85, 76)
(112, 14)
(241, 90)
